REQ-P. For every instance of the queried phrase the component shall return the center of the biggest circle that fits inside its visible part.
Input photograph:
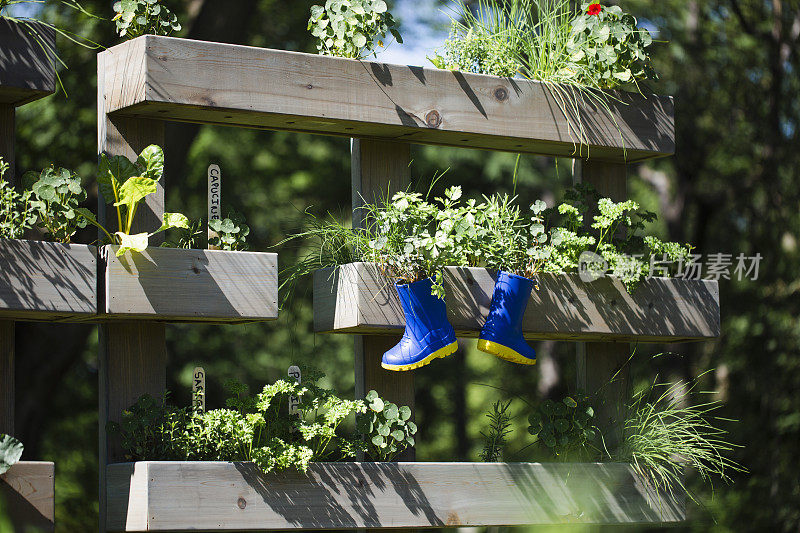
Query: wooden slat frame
(27, 69)
(47, 280)
(356, 298)
(177, 285)
(204, 82)
(218, 496)
(27, 492)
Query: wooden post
(132, 359)
(7, 119)
(599, 362)
(379, 168)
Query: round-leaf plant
(388, 427)
(351, 28)
(563, 427)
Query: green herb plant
(351, 28)
(258, 429)
(609, 47)
(127, 183)
(387, 427)
(16, 212)
(10, 452)
(673, 425)
(57, 193)
(231, 233)
(144, 17)
(565, 428)
(496, 435)
(577, 55)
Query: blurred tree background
(733, 186)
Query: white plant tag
(214, 196)
(199, 390)
(294, 401)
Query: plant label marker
(199, 390)
(214, 197)
(294, 401)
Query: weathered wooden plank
(132, 357)
(27, 62)
(47, 280)
(378, 169)
(27, 494)
(205, 82)
(171, 284)
(7, 138)
(216, 496)
(603, 371)
(356, 298)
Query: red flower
(594, 9)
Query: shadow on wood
(27, 496)
(357, 298)
(47, 280)
(163, 496)
(27, 62)
(204, 82)
(180, 285)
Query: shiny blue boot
(428, 334)
(502, 333)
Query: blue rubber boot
(502, 333)
(428, 334)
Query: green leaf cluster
(260, 428)
(10, 452)
(16, 212)
(128, 183)
(58, 193)
(476, 49)
(565, 428)
(388, 428)
(144, 17)
(610, 47)
(351, 28)
(231, 232)
(187, 238)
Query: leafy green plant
(482, 39)
(351, 28)
(495, 437)
(231, 232)
(258, 429)
(565, 428)
(127, 183)
(387, 427)
(606, 42)
(58, 193)
(10, 452)
(144, 17)
(670, 426)
(16, 212)
(187, 238)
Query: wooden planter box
(177, 285)
(218, 496)
(27, 495)
(27, 69)
(356, 298)
(47, 280)
(166, 78)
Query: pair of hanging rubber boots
(429, 335)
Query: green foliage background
(734, 70)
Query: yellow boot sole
(441, 352)
(504, 352)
